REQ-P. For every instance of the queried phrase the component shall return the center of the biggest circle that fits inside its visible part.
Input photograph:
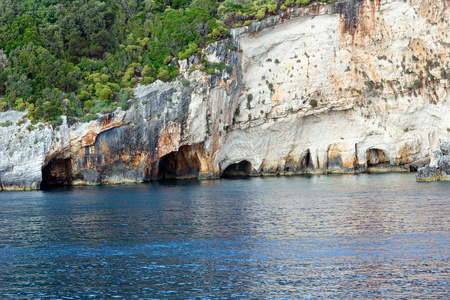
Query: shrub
(88, 104)
(89, 117)
(249, 100)
(148, 80)
(19, 104)
(6, 123)
(56, 122)
(3, 106)
(417, 83)
(313, 103)
(185, 82)
(163, 74)
(261, 13)
(192, 48)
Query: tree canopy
(82, 57)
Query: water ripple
(316, 237)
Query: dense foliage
(82, 57)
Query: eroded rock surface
(353, 86)
(439, 167)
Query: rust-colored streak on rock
(277, 95)
(372, 11)
(315, 8)
(366, 21)
(142, 159)
(125, 157)
(137, 160)
(95, 129)
(168, 139)
(147, 158)
(61, 154)
(405, 153)
(88, 139)
(104, 148)
(107, 121)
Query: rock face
(439, 167)
(349, 87)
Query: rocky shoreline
(439, 167)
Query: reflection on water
(377, 236)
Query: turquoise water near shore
(308, 237)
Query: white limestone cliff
(353, 86)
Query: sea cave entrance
(241, 169)
(181, 164)
(57, 172)
(376, 158)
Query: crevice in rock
(306, 163)
(181, 164)
(241, 169)
(355, 162)
(57, 172)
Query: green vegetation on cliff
(82, 57)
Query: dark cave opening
(181, 164)
(241, 169)
(58, 172)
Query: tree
(4, 62)
(130, 7)
(85, 17)
(208, 5)
(8, 10)
(22, 32)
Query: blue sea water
(300, 237)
